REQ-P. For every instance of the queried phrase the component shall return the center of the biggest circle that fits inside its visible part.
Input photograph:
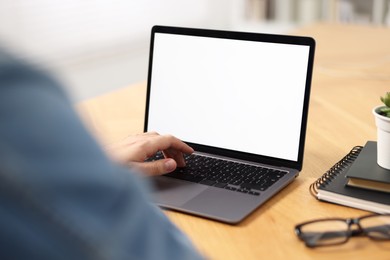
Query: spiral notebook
(332, 187)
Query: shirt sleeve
(60, 196)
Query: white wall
(57, 28)
(97, 45)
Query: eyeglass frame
(350, 232)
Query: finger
(165, 142)
(176, 155)
(158, 167)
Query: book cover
(366, 173)
(333, 189)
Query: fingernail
(170, 165)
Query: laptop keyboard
(225, 174)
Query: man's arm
(61, 198)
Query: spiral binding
(341, 165)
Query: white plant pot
(383, 138)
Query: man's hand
(135, 149)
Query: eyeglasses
(335, 231)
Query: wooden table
(351, 71)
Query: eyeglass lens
(376, 227)
(327, 232)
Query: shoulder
(17, 73)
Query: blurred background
(95, 46)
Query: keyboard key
(185, 177)
(220, 185)
(207, 182)
(252, 186)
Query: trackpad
(172, 192)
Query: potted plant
(382, 120)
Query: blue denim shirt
(60, 197)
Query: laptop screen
(237, 94)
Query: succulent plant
(385, 110)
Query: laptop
(238, 98)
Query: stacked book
(356, 181)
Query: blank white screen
(239, 95)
